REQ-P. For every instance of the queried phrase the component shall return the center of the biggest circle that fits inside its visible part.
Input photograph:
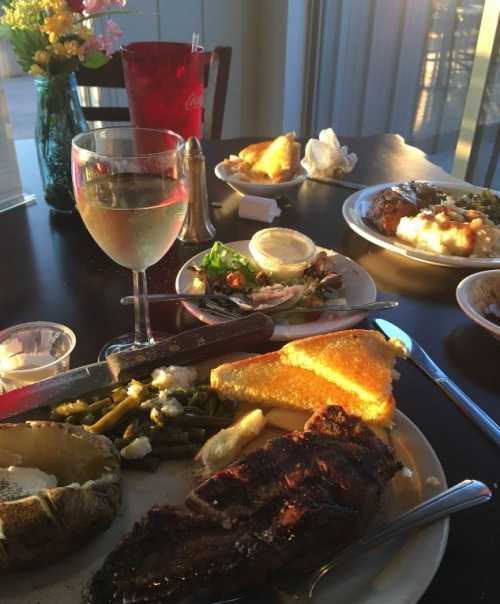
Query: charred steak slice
(303, 495)
(176, 556)
(386, 210)
(336, 449)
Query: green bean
(120, 443)
(100, 404)
(183, 395)
(70, 408)
(130, 431)
(201, 396)
(118, 394)
(225, 409)
(201, 421)
(88, 419)
(171, 438)
(175, 451)
(212, 405)
(197, 435)
(191, 409)
(108, 422)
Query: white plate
(359, 286)
(475, 292)
(356, 207)
(392, 574)
(258, 188)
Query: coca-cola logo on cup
(193, 101)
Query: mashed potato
(451, 230)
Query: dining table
(52, 270)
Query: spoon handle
(460, 497)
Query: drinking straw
(195, 42)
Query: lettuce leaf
(222, 259)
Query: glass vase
(59, 119)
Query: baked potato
(38, 524)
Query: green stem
(107, 13)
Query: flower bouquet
(51, 39)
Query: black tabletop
(51, 269)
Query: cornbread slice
(266, 381)
(281, 159)
(253, 152)
(359, 361)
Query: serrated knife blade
(420, 357)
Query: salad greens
(222, 259)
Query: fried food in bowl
(275, 161)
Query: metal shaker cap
(193, 147)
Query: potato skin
(42, 528)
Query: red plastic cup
(165, 84)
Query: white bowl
(475, 292)
(258, 188)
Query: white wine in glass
(131, 194)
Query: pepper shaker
(197, 226)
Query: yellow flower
(68, 49)
(41, 57)
(23, 14)
(58, 49)
(57, 25)
(37, 70)
(74, 49)
(54, 5)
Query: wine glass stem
(142, 336)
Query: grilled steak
(387, 209)
(311, 491)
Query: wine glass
(131, 193)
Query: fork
(371, 306)
(462, 496)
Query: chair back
(111, 75)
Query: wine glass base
(126, 342)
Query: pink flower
(107, 41)
(97, 6)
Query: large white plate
(396, 573)
(359, 286)
(258, 188)
(356, 208)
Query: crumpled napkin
(325, 157)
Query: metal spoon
(246, 306)
(126, 300)
(462, 496)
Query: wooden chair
(111, 76)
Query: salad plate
(355, 210)
(358, 288)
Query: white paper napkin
(325, 157)
(258, 208)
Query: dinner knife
(420, 357)
(187, 347)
